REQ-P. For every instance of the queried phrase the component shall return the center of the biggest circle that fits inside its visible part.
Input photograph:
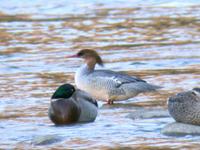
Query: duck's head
(91, 57)
(64, 91)
(196, 91)
(63, 110)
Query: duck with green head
(69, 105)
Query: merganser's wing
(116, 77)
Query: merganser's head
(91, 57)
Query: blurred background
(157, 40)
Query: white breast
(86, 83)
(81, 78)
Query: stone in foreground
(149, 113)
(180, 129)
(46, 140)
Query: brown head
(91, 57)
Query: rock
(149, 113)
(46, 139)
(180, 129)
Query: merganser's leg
(110, 102)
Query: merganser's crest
(85, 53)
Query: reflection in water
(159, 44)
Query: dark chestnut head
(90, 56)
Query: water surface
(158, 41)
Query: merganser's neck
(88, 68)
(81, 75)
(91, 62)
(83, 70)
(91, 66)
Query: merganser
(185, 106)
(71, 106)
(107, 85)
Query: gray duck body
(80, 107)
(185, 107)
(109, 85)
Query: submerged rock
(180, 129)
(140, 147)
(149, 113)
(46, 139)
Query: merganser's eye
(80, 54)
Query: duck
(184, 107)
(107, 85)
(69, 105)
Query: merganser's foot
(110, 102)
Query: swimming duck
(107, 85)
(185, 106)
(69, 105)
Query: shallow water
(158, 41)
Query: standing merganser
(105, 84)
(69, 105)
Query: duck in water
(107, 85)
(69, 105)
(185, 107)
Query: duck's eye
(194, 93)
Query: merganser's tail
(146, 87)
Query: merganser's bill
(107, 85)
